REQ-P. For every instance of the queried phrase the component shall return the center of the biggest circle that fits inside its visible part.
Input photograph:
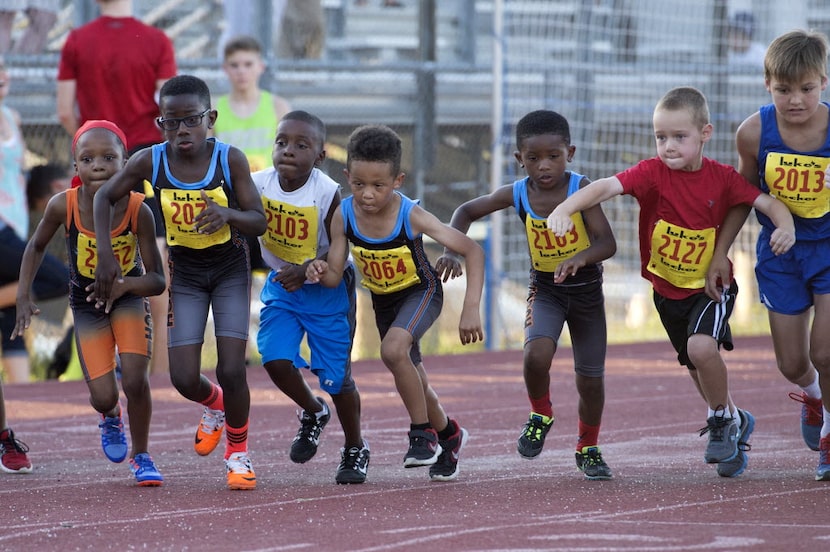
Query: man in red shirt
(112, 68)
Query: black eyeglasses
(190, 121)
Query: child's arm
(448, 265)
(250, 217)
(603, 244)
(329, 271)
(717, 275)
(596, 192)
(53, 217)
(107, 271)
(783, 237)
(152, 281)
(469, 328)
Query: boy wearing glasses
(208, 201)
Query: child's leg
(820, 353)
(232, 375)
(135, 381)
(185, 374)
(290, 381)
(435, 412)
(103, 394)
(792, 341)
(712, 378)
(538, 355)
(394, 351)
(347, 404)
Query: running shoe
(304, 446)
(532, 439)
(737, 465)
(424, 449)
(113, 439)
(354, 464)
(13, 458)
(241, 475)
(812, 417)
(823, 469)
(723, 438)
(209, 432)
(145, 472)
(446, 467)
(589, 461)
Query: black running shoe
(532, 439)
(423, 448)
(354, 463)
(589, 461)
(446, 468)
(304, 446)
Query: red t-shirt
(673, 205)
(115, 62)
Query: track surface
(662, 498)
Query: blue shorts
(411, 309)
(788, 282)
(326, 316)
(224, 288)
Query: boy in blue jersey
(565, 282)
(299, 201)
(386, 229)
(784, 149)
(208, 201)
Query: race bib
(387, 270)
(292, 231)
(681, 256)
(547, 249)
(180, 208)
(123, 247)
(798, 181)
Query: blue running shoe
(113, 440)
(812, 418)
(145, 472)
(737, 465)
(823, 470)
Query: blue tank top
(401, 244)
(588, 273)
(772, 143)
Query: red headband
(112, 127)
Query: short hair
(796, 54)
(39, 183)
(312, 120)
(186, 84)
(377, 144)
(242, 43)
(543, 121)
(688, 98)
(744, 22)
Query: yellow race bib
(547, 249)
(798, 181)
(681, 256)
(292, 231)
(387, 270)
(123, 247)
(180, 207)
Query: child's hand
(315, 270)
(119, 288)
(719, 272)
(212, 218)
(25, 310)
(107, 274)
(559, 224)
(567, 268)
(781, 241)
(448, 266)
(292, 277)
(469, 328)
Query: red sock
(542, 405)
(237, 439)
(215, 400)
(588, 436)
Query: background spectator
(742, 49)
(41, 15)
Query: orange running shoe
(209, 431)
(241, 475)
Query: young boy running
(299, 202)
(386, 230)
(784, 149)
(207, 200)
(99, 149)
(565, 282)
(684, 198)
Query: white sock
(813, 390)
